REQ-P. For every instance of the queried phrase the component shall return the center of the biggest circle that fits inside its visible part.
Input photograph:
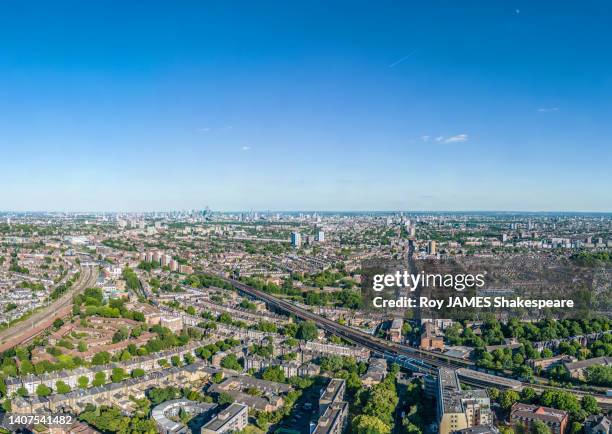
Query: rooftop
(581, 364)
(331, 392)
(224, 417)
(329, 418)
(537, 412)
(160, 413)
(450, 390)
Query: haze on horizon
(295, 106)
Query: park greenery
(345, 297)
(592, 259)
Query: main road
(26, 330)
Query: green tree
(225, 398)
(528, 395)
(101, 358)
(599, 375)
(563, 401)
(118, 375)
(366, 424)
(590, 404)
(539, 427)
(307, 330)
(83, 381)
(62, 387)
(262, 421)
(494, 393)
(161, 394)
(576, 428)
(7, 405)
(274, 373)
(138, 372)
(43, 390)
(231, 362)
(99, 379)
(507, 398)
(546, 353)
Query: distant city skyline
(350, 106)
(264, 212)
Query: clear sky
(288, 105)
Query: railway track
(27, 330)
(436, 360)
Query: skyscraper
(296, 239)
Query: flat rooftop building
(458, 409)
(233, 418)
(333, 409)
(333, 420)
(479, 429)
(332, 393)
(162, 413)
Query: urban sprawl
(254, 322)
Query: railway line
(27, 330)
(351, 334)
(470, 374)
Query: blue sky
(343, 105)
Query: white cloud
(459, 138)
(548, 109)
(246, 148)
(205, 129)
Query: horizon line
(515, 211)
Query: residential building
(577, 369)
(431, 247)
(429, 339)
(164, 413)
(550, 362)
(525, 414)
(459, 409)
(233, 418)
(333, 409)
(597, 424)
(174, 323)
(377, 371)
(236, 386)
(395, 330)
(296, 239)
